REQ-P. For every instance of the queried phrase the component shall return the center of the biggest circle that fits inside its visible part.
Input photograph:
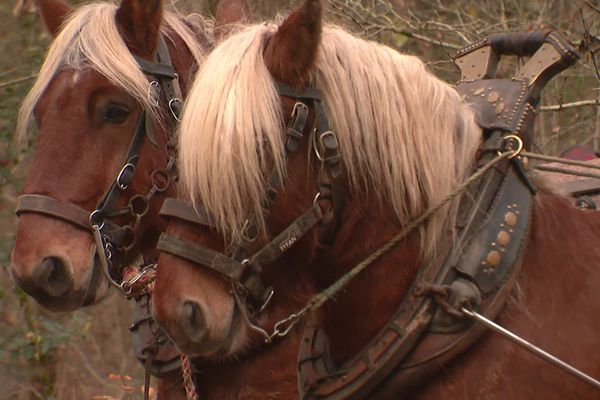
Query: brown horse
(406, 140)
(87, 102)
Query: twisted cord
(332, 290)
(188, 380)
(542, 157)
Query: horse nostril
(52, 277)
(193, 321)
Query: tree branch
(18, 80)
(560, 107)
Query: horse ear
(53, 13)
(232, 12)
(139, 22)
(291, 52)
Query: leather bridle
(242, 269)
(112, 239)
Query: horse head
(105, 125)
(322, 145)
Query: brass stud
(503, 238)
(499, 108)
(510, 218)
(493, 258)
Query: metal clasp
(283, 327)
(321, 154)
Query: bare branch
(18, 80)
(560, 107)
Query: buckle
(327, 143)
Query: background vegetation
(87, 354)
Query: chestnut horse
(87, 102)
(406, 140)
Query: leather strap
(181, 209)
(201, 255)
(51, 207)
(581, 187)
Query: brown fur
(140, 22)
(76, 158)
(290, 53)
(555, 307)
(53, 13)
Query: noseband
(242, 269)
(109, 237)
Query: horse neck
(369, 301)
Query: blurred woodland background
(87, 354)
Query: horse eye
(116, 114)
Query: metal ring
(126, 287)
(520, 145)
(175, 115)
(317, 197)
(152, 97)
(160, 179)
(245, 235)
(140, 208)
(123, 186)
(93, 217)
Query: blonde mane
(405, 136)
(90, 40)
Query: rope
(542, 157)
(188, 380)
(337, 286)
(567, 171)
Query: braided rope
(321, 298)
(188, 380)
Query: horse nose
(193, 321)
(53, 277)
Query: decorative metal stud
(493, 258)
(493, 97)
(499, 108)
(503, 238)
(510, 218)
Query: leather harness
(477, 271)
(479, 268)
(244, 270)
(115, 238)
